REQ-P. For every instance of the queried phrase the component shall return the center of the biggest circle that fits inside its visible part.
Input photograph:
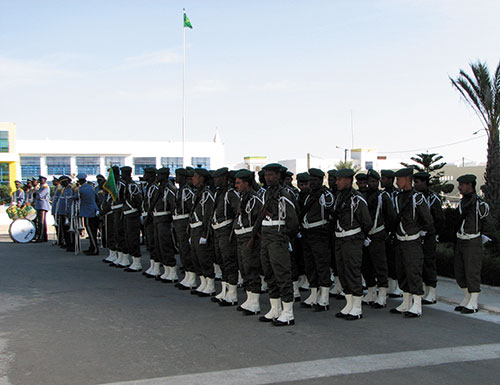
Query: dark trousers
(468, 263)
(227, 249)
(91, 225)
(317, 257)
(390, 253)
(150, 232)
(109, 231)
(276, 263)
(429, 273)
(119, 225)
(59, 229)
(349, 255)
(374, 267)
(249, 262)
(333, 260)
(164, 242)
(69, 237)
(180, 227)
(203, 258)
(41, 226)
(132, 234)
(409, 262)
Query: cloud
(151, 59)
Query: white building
(64, 157)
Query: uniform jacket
(351, 213)
(249, 208)
(382, 213)
(318, 204)
(226, 203)
(475, 219)
(280, 209)
(435, 206)
(65, 201)
(183, 201)
(413, 215)
(18, 197)
(55, 199)
(87, 198)
(43, 198)
(164, 203)
(203, 203)
(132, 197)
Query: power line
(432, 148)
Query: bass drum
(22, 230)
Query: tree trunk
(492, 175)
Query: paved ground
(68, 319)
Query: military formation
(361, 238)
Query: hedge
(490, 274)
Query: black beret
(220, 172)
(64, 177)
(345, 173)
(126, 169)
(467, 178)
(332, 172)
(388, 173)
(151, 170)
(374, 174)
(316, 172)
(189, 168)
(42, 177)
(202, 172)
(303, 177)
(361, 176)
(422, 175)
(100, 176)
(182, 171)
(261, 172)
(244, 174)
(163, 171)
(276, 167)
(289, 173)
(407, 171)
(232, 174)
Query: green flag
(110, 185)
(187, 22)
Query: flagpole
(183, 91)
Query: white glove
(290, 248)
(485, 239)
(299, 235)
(203, 241)
(189, 240)
(422, 233)
(367, 242)
(437, 238)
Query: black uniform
(164, 206)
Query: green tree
(5, 192)
(482, 94)
(348, 164)
(429, 163)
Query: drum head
(22, 230)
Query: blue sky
(278, 78)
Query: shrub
(5, 193)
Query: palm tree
(482, 94)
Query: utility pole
(308, 160)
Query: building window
(4, 141)
(30, 167)
(114, 161)
(172, 163)
(88, 164)
(4, 173)
(201, 162)
(141, 163)
(58, 165)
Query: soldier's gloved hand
(97, 213)
(299, 235)
(189, 240)
(203, 241)
(290, 248)
(422, 233)
(367, 242)
(485, 239)
(437, 238)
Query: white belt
(113, 207)
(177, 217)
(467, 237)
(408, 237)
(273, 223)
(144, 214)
(220, 225)
(314, 224)
(348, 233)
(130, 211)
(376, 230)
(243, 230)
(195, 225)
(161, 213)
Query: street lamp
(345, 152)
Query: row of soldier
(277, 238)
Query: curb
(488, 308)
